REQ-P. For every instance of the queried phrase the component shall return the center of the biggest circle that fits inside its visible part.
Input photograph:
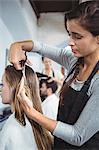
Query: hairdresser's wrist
(45, 122)
(26, 45)
(37, 46)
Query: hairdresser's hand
(17, 53)
(33, 114)
(25, 101)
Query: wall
(51, 30)
(15, 25)
(18, 22)
(5, 40)
(14, 16)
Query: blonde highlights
(13, 77)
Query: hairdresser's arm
(31, 112)
(47, 123)
(87, 124)
(62, 56)
(77, 134)
(17, 52)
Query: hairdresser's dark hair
(87, 14)
(66, 85)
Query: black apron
(70, 110)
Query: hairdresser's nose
(71, 41)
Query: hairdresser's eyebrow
(72, 33)
(75, 34)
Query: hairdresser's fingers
(23, 98)
(27, 103)
(21, 85)
(21, 89)
(28, 110)
(17, 65)
(21, 95)
(23, 105)
(16, 55)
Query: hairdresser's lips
(75, 51)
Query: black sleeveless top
(69, 112)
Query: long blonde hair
(13, 77)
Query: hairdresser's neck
(86, 69)
(91, 60)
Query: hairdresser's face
(82, 42)
(5, 94)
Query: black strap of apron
(71, 71)
(82, 97)
(88, 81)
(96, 68)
